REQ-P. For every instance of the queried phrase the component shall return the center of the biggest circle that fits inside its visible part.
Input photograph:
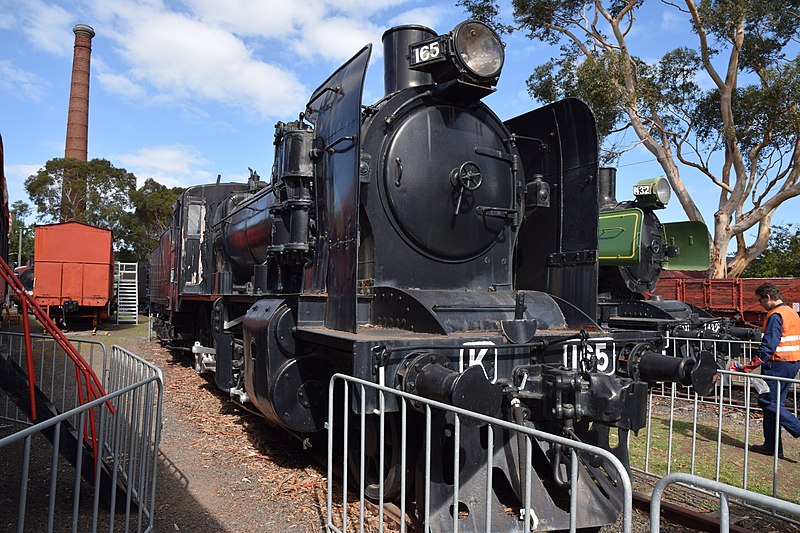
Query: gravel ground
(224, 469)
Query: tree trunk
(722, 238)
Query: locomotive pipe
(607, 187)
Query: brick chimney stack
(78, 117)
(73, 186)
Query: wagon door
(191, 266)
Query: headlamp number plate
(639, 190)
(426, 52)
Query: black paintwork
(557, 247)
(335, 109)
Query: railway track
(678, 515)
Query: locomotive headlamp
(464, 63)
(653, 192)
(479, 49)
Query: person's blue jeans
(769, 402)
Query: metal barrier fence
(55, 373)
(723, 491)
(709, 437)
(51, 481)
(339, 433)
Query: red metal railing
(89, 385)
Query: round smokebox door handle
(469, 176)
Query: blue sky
(183, 91)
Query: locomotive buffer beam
(429, 375)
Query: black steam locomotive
(392, 236)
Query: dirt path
(223, 469)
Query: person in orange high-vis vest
(779, 356)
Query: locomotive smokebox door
(446, 194)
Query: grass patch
(719, 456)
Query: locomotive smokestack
(396, 74)
(73, 194)
(607, 187)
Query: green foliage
(153, 206)
(20, 210)
(136, 217)
(107, 191)
(781, 258)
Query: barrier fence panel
(54, 372)
(723, 491)
(365, 441)
(709, 437)
(51, 480)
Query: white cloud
(48, 26)
(21, 83)
(178, 57)
(430, 16)
(245, 54)
(336, 38)
(251, 17)
(173, 166)
(284, 18)
(118, 84)
(7, 20)
(672, 20)
(21, 172)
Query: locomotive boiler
(391, 237)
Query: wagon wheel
(391, 456)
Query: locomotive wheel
(391, 456)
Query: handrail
(90, 385)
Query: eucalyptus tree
(105, 192)
(742, 135)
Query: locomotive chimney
(396, 42)
(607, 187)
(78, 116)
(73, 197)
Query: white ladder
(126, 275)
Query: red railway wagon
(74, 271)
(733, 298)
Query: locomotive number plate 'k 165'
(602, 348)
